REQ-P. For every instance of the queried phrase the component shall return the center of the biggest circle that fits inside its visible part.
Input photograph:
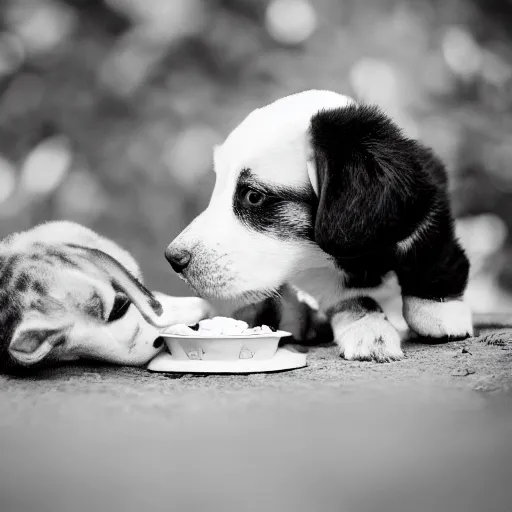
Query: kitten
(67, 293)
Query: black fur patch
(7, 271)
(266, 312)
(133, 339)
(121, 305)
(364, 278)
(284, 212)
(22, 282)
(360, 306)
(437, 267)
(4, 300)
(39, 288)
(94, 307)
(156, 306)
(269, 313)
(376, 188)
(61, 257)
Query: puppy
(67, 293)
(328, 195)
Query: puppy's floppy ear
(373, 187)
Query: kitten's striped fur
(67, 293)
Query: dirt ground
(430, 433)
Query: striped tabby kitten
(67, 293)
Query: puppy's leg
(443, 318)
(266, 312)
(362, 331)
(287, 312)
(433, 282)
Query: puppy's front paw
(369, 338)
(449, 319)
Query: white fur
(438, 319)
(273, 141)
(65, 232)
(369, 337)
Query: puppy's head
(308, 177)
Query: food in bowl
(218, 326)
(222, 338)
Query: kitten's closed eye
(120, 307)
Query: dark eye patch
(22, 282)
(94, 307)
(284, 212)
(121, 305)
(8, 268)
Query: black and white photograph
(255, 255)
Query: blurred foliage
(109, 108)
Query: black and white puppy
(326, 194)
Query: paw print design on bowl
(195, 355)
(245, 353)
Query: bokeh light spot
(42, 24)
(11, 53)
(290, 21)
(7, 179)
(461, 51)
(81, 197)
(46, 166)
(481, 236)
(190, 157)
(374, 80)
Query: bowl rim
(274, 334)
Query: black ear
(374, 185)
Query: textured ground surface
(430, 433)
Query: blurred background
(109, 108)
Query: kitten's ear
(36, 338)
(369, 178)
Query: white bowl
(223, 348)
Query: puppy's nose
(179, 259)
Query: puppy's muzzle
(178, 258)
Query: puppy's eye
(253, 198)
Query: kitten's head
(64, 301)
(55, 306)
